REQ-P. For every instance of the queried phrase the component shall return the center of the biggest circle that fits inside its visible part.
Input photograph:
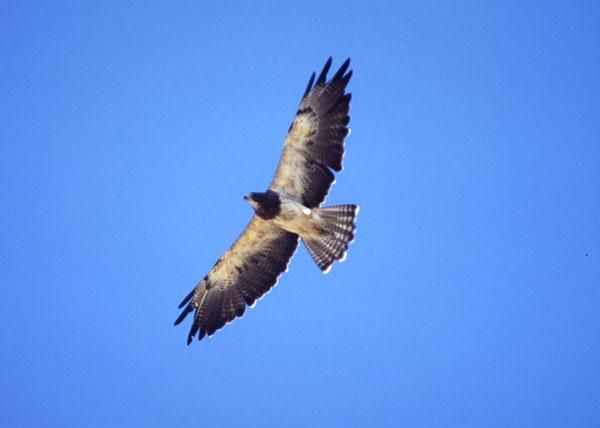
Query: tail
(338, 234)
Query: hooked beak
(250, 200)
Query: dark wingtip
(310, 84)
(323, 75)
(186, 299)
(346, 78)
(322, 79)
(182, 316)
(340, 73)
(193, 330)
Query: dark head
(266, 204)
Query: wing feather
(314, 145)
(248, 270)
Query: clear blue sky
(470, 298)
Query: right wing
(245, 273)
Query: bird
(288, 211)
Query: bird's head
(252, 199)
(266, 204)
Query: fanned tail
(339, 232)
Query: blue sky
(470, 297)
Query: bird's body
(288, 211)
(301, 220)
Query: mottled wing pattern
(315, 142)
(245, 273)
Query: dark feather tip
(323, 75)
(309, 86)
(193, 330)
(182, 316)
(341, 71)
(346, 78)
(186, 299)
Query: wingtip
(309, 85)
(323, 75)
(183, 315)
(346, 78)
(186, 299)
(342, 70)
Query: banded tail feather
(339, 232)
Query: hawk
(288, 211)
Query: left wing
(243, 274)
(315, 141)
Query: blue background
(471, 297)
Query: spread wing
(246, 272)
(315, 141)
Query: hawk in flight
(289, 210)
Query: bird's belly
(298, 219)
